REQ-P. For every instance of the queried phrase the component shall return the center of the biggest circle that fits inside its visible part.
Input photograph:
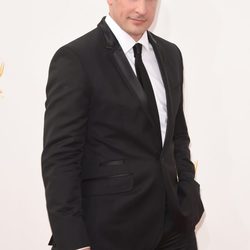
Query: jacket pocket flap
(108, 185)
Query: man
(116, 164)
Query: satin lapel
(163, 69)
(125, 70)
(131, 80)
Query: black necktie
(143, 77)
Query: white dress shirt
(151, 65)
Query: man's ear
(109, 2)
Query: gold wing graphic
(1, 69)
(196, 166)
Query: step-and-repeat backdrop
(215, 41)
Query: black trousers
(178, 241)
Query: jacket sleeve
(188, 190)
(185, 167)
(65, 126)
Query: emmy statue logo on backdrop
(1, 69)
(195, 166)
(1, 73)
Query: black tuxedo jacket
(109, 182)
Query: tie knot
(137, 50)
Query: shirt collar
(124, 39)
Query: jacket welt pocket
(108, 185)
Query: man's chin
(136, 32)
